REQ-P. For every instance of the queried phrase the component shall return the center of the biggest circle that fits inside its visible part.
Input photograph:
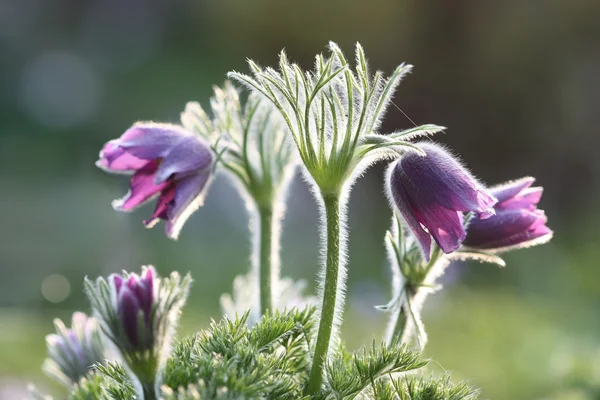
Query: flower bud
(139, 314)
(431, 192)
(517, 223)
(72, 352)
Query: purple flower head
(73, 351)
(166, 161)
(431, 192)
(517, 223)
(135, 299)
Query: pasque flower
(139, 313)
(517, 223)
(431, 192)
(72, 352)
(166, 161)
(135, 299)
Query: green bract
(333, 112)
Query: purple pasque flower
(166, 161)
(136, 296)
(73, 351)
(517, 223)
(431, 192)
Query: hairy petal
(142, 188)
(440, 177)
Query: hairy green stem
(268, 265)
(402, 317)
(407, 297)
(330, 292)
(149, 392)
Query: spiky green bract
(231, 361)
(333, 112)
(169, 296)
(350, 376)
(421, 388)
(413, 279)
(250, 142)
(106, 382)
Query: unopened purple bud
(517, 223)
(431, 192)
(73, 351)
(135, 300)
(166, 161)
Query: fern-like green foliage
(230, 360)
(109, 382)
(349, 376)
(421, 388)
(271, 360)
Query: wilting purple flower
(431, 192)
(166, 161)
(135, 298)
(517, 223)
(73, 351)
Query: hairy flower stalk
(333, 113)
(139, 315)
(72, 352)
(251, 146)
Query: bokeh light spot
(59, 89)
(56, 288)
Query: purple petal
(165, 200)
(115, 159)
(189, 155)
(189, 195)
(505, 224)
(118, 281)
(525, 200)
(511, 189)
(152, 141)
(142, 188)
(521, 239)
(446, 226)
(402, 201)
(128, 309)
(440, 178)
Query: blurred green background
(516, 81)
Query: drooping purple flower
(166, 161)
(135, 298)
(431, 192)
(517, 223)
(73, 351)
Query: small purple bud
(431, 192)
(166, 161)
(73, 351)
(135, 299)
(517, 223)
(139, 317)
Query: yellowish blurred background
(517, 83)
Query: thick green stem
(330, 292)
(149, 392)
(403, 314)
(268, 264)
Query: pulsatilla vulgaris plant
(274, 342)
